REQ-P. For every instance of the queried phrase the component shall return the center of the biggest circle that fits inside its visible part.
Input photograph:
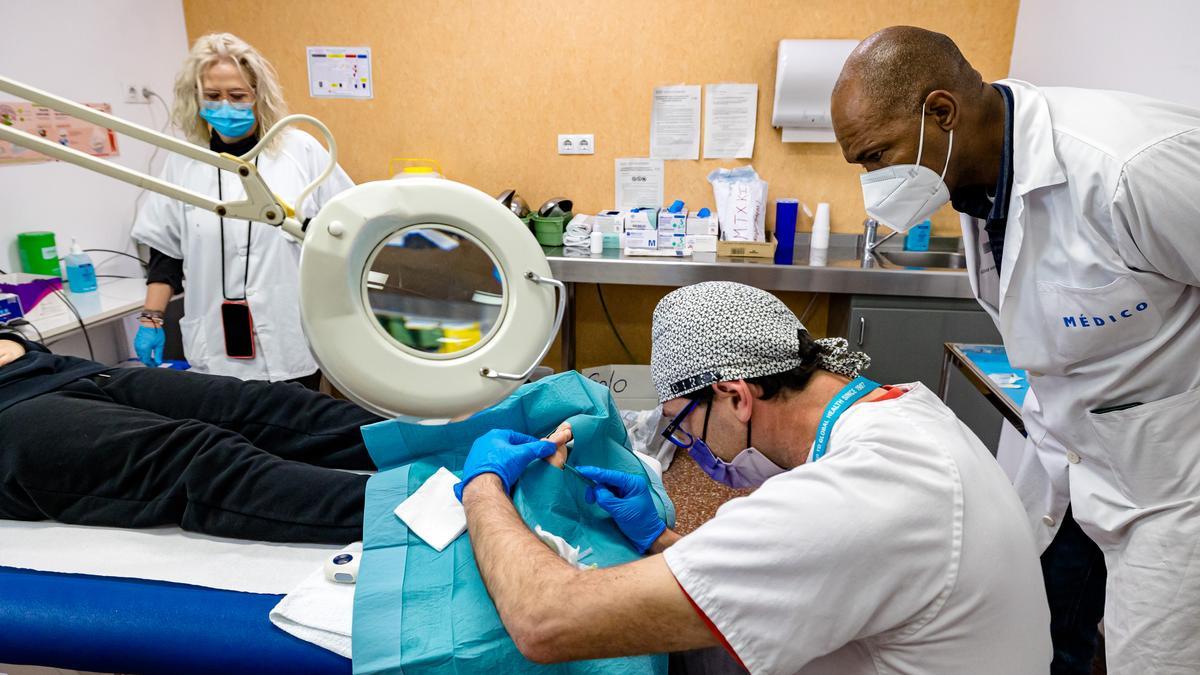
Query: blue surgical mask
(231, 120)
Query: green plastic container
(425, 335)
(39, 253)
(549, 229)
(394, 325)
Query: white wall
(1148, 47)
(84, 51)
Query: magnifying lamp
(420, 297)
(367, 265)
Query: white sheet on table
(161, 554)
(319, 611)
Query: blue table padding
(992, 359)
(114, 624)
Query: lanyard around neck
(246, 277)
(845, 398)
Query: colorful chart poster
(58, 127)
(340, 72)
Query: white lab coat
(1098, 298)
(903, 550)
(272, 291)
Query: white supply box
(641, 238)
(607, 222)
(703, 225)
(674, 242)
(672, 223)
(641, 219)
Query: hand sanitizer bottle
(917, 238)
(81, 274)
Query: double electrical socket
(576, 144)
(132, 93)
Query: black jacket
(39, 372)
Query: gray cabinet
(904, 337)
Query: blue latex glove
(627, 499)
(505, 453)
(148, 343)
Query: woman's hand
(148, 343)
(10, 351)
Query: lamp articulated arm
(260, 204)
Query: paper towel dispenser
(804, 79)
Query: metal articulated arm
(260, 203)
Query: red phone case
(249, 327)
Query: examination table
(150, 601)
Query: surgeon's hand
(10, 350)
(505, 453)
(627, 499)
(148, 343)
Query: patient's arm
(555, 612)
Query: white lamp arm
(260, 203)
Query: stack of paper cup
(818, 252)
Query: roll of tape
(342, 567)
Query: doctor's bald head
(899, 79)
(894, 69)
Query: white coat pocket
(195, 345)
(1154, 448)
(1092, 323)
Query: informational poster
(730, 114)
(675, 122)
(55, 126)
(340, 72)
(639, 183)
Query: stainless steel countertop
(843, 274)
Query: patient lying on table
(83, 443)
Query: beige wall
(485, 87)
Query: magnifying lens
(425, 297)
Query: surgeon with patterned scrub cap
(881, 535)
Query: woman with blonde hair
(241, 309)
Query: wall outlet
(132, 93)
(576, 144)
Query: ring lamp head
(425, 297)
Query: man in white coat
(1081, 219)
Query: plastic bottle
(81, 274)
(786, 211)
(917, 238)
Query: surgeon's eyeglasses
(675, 432)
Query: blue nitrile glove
(627, 499)
(505, 453)
(148, 343)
